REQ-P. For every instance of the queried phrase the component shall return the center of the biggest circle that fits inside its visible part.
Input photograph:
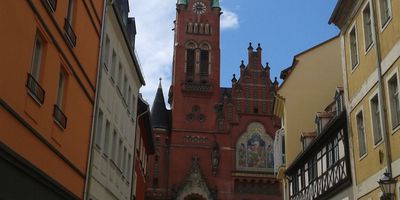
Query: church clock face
(199, 8)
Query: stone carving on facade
(194, 183)
(195, 114)
(215, 158)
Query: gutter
(89, 161)
(382, 103)
(133, 196)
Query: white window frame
(120, 153)
(390, 76)
(373, 95)
(361, 110)
(114, 144)
(70, 11)
(107, 133)
(368, 48)
(353, 68)
(124, 158)
(120, 76)
(36, 62)
(99, 129)
(383, 26)
(114, 59)
(106, 52)
(61, 87)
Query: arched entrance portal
(194, 197)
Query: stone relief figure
(215, 158)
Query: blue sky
(283, 27)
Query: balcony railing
(337, 175)
(59, 117)
(34, 89)
(197, 87)
(69, 33)
(50, 5)
(323, 168)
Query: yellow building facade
(306, 89)
(370, 46)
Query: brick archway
(194, 197)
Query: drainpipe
(134, 150)
(89, 161)
(381, 90)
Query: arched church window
(254, 149)
(190, 60)
(207, 29)
(190, 27)
(196, 28)
(204, 59)
(201, 30)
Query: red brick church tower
(214, 143)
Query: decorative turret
(276, 84)
(254, 56)
(250, 48)
(215, 4)
(159, 112)
(242, 65)
(182, 2)
(234, 80)
(267, 66)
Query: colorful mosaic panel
(254, 150)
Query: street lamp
(388, 186)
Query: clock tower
(196, 63)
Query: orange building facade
(49, 65)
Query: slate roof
(160, 116)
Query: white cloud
(229, 20)
(154, 42)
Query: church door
(194, 197)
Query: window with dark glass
(70, 10)
(204, 60)
(376, 119)
(362, 149)
(394, 101)
(58, 115)
(353, 48)
(384, 11)
(34, 88)
(367, 26)
(99, 128)
(190, 61)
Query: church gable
(194, 184)
(253, 92)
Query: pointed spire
(159, 112)
(159, 84)
(267, 66)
